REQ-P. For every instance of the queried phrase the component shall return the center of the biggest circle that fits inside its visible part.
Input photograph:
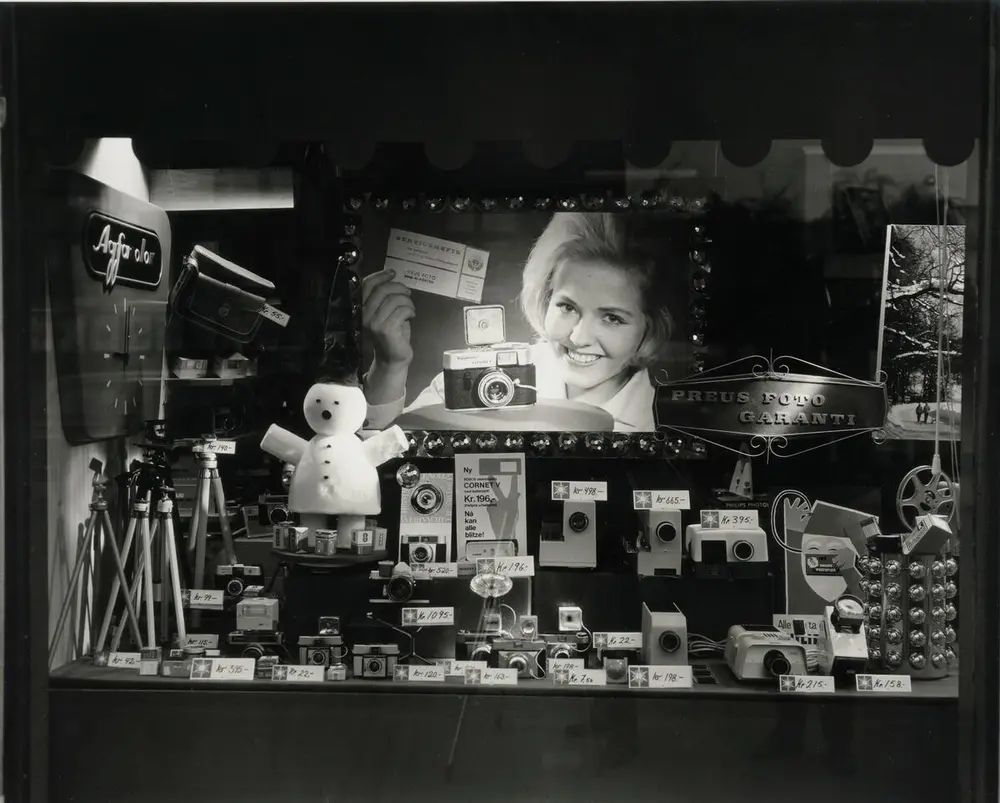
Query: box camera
(255, 643)
(237, 578)
(321, 650)
(844, 647)
(524, 656)
(762, 652)
(574, 545)
(423, 548)
(474, 646)
(664, 638)
(660, 543)
(727, 553)
(490, 374)
(375, 661)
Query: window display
(616, 440)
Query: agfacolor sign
(117, 252)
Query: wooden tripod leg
(74, 581)
(120, 569)
(175, 578)
(220, 504)
(116, 585)
(147, 582)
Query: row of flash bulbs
(596, 443)
(589, 202)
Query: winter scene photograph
(920, 343)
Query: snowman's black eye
(336, 402)
(319, 401)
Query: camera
(238, 579)
(375, 661)
(844, 647)
(255, 643)
(423, 548)
(573, 545)
(400, 585)
(470, 646)
(273, 509)
(727, 553)
(490, 374)
(520, 655)
(762, 652)
(257, 613)
(560, 646)
(659, 543)
(321, 650)
(664, 638)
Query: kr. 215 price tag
(428, 617)
(806, 684)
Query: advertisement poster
(491, 503)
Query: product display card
(426, 513)
(491, 501)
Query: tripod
(99, 522)
(209, 485)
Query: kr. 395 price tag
(428, 617)
(806, 684)
(432, 570)
(579, 677)
(729, 520)
(222, 669)
(124, 660)
(660, 677)
(203, 599)
(298, 674)
(661, 500)
(617, 641)
(563, 491)
(509, 567)
(432, 673)
(883, 684)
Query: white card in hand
(437, 266)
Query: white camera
(664, 638)
(660, 548)
(762, 652)
(727, 553)
(844, 646)
(575, 544)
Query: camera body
(562, 646)
(423, 548)
(574, 544)
(257, 614)
(522, 655)
(239, 580)
(375, 661)
(762, 652)
(474, 646)
(664, 638)
(844, 646)
(320, 650)
(727, 553)
(254, 643)
(660, 543)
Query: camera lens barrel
(670, 641)
(578, 522)
(743, 550)
(495, 389)
(399, 588)
(776, 663)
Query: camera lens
(666, 532)
(561, 652)
(254, 651)
(776, 663)
(421, 553)
(743, 550)
(518, 662)
(234, 587)
(427, 499)
(670, 641)
(374, 666)
(317, 657)
(277, 514)
(496, 389)
(481, 652)
(399, 589)
(578, 522)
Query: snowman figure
(336, 471)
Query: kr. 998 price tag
(428, 617)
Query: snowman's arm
(285, 445)
(385, 445)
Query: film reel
(925, 490)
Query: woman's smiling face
(594, 322)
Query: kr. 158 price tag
(661, 500)
(298, 674)
(729, 520)
(428, 617)
(563, 491)
(660, 677)
(806, 684)
(222, 669)
(124, 660)
(617, 641)
(509, 567)
(883, 684)
(203, 599)
(579, 677)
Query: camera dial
(776, 663)
(496, 389)
(743, 550)
(578, 522)
(670, 641)
(666, 532)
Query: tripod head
(99, 481)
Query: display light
(594, 442)
(541, 443)
(354, 203)
(649, 199)
(514, 442)
(433, 444)
(514, 203)
(568, 203)
(408, 475)
(542, 203)
(488, 204)
(380, 203)
(350, 254)
(352, 227)
(622, 203)
(621, 444)
(435, 203)
(486, 442)
(648, 445)
(408, 204)
(461, 442)
(568, 441)
(593, 202)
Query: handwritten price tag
(209, 641)
(124, 660)
(579, 677)
(563, 491)
(223, 447)
(222, 669)
(459, 667)
(565, 663)
(200, 599)
(660, 677)
(510, 567)
(661, 500)
(495, 677)
(298, 674)
(432, 570)
(419, 674)
(428, 617)
(729, 520)
(883, 684)
(806, 684)
(275, 315)
(617, 641)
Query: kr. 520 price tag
(428, 617)
(806, 684)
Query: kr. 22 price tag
(806, 684)
(298, 674)
(563, 491)
(660, 501)
(428, 617)
(617, 641)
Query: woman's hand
(386, 312)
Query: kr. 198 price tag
(124, 660)
(222, 669)
(432, 673)
(883, 684)
(432, 570)
(563, 491)
(579, 677)
(203, 599)
(660, 677)
(806, 684)
(729, 520)
(298, 674)
(428, 617)
(487, 676)
(661, 500)
(509, 567)
(617, 641)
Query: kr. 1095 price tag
(298, 674)
(428, 617)
(729, 520)
(661, 500)
(617, 641)
(563, 491)
(222, 669)
(660, 677)
(509, 567)
(806, 684)
(883, 684)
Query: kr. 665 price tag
(661, 500)
(428, 617)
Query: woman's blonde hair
(632, 242)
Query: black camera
(471, 646)
(399, 586)
(321, 650)
(255, 643)
(239, 580)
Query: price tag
(201, 599)
(510, 567)
(209, 641)
(579, 491)
(428, 617)
(579, 677)
(298, 674)
(490, 677)
(729, 520)
(660, 677)
(883, 684)
(565, 663)
(222, 669)
(432, 570)
(419, 674)
(807, 629)
(806, 684)
(275, 315)
(617, 641)
(124, 660)
(223, 447)
(459, 667)
(661, 500)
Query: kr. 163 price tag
(660, 677)
(298, 674)
(222, 669)
(617, 641)
(509, 567)
(203, 599)
(428, 617)
(124, 660)
(474, 676)
(883, 684)
(432, 673)
(563, 491)
(661, 500)
(729, 520)
(579, 677)
(806, 684)
(432, 570)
